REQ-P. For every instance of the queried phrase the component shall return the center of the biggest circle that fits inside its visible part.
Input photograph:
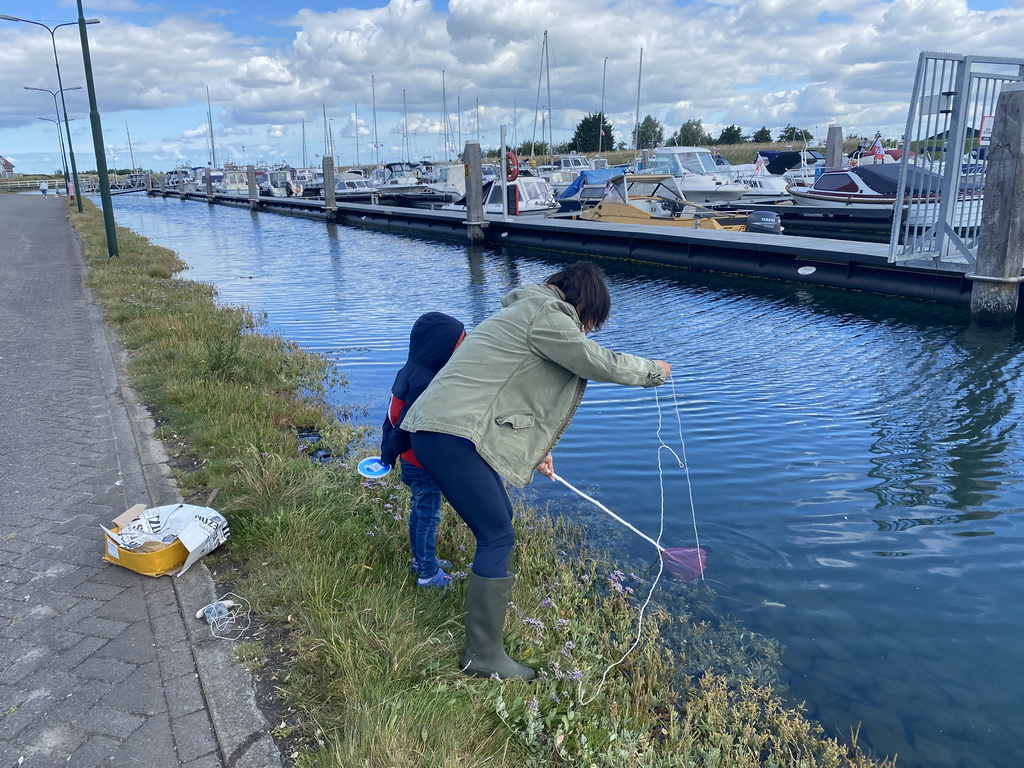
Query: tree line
(595, 134)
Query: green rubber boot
(486, 604)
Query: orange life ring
(513, 166)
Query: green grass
(366, 662)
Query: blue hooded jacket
(433, 338)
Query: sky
(391, 77)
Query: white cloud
(752, 63)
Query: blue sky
(271, 66)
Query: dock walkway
(818, 261)
(98, 665)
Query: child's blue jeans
(424, 517)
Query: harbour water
(855, 462)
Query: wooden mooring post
(834, 147)
(997, 277)
(254, 190)
(475, 221)
(330, 199)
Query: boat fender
(512, 164)
(765, 222)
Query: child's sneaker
(439, 580)
(442, 564)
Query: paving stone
(193, 735)
(184, 695)
(109, 721)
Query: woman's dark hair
(584, 288)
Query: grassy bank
(365, 663)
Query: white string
(656, 542)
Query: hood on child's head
(433, 338)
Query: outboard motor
(765, 222)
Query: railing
(90, 184)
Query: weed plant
(367, 661)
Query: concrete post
(163, 184)
(209, 186)
(330, 201)
(254, 191)
(834, 147)
(996, 289)
(475, 221)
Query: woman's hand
(665, 367)
(547, 467)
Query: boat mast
(130, 153)
(376, 144)
(405, 129)
(536, 108)
(355, 116)
(327, 135)
(477, 119)
(304, 163)
(446, 120)
(209, 117)
(600, 119)
(515, 141)
(636, 127)
(551, 123)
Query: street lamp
(63, 157)
(60, 141)
(60, 85)
(97, 139)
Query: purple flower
(568, 648)
(547, 602)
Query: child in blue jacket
(432, 341)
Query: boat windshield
(680, 163)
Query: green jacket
(514, 384)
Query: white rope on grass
(656, 542)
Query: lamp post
(63, 157)
(60, 86)
(60, 141)
(97, 139)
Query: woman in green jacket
(497, 409)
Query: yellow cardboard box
(152, 558)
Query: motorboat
(396, 179)
(447, 184)
(563, 171)
(587, 190)
(760, 183)
(277, 182)
(233, 182)
(875, 187)
(653, 199)
(696, 175)
(797, 166)
(351, 188)
(527, 196)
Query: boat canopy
(589, 178)
(884, 178)
(781, 161)
(624, 187)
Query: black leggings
(476, 492)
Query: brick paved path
(98, 665)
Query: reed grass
(364, 661)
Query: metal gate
(942, 169)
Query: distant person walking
(44, 188)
